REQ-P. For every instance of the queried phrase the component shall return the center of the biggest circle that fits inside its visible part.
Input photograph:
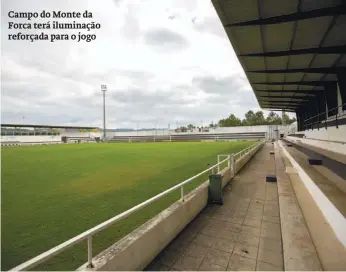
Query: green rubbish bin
(215, 189)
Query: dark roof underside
(286, 47)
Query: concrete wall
(240, 129)
(46, 138)
(329, 134)
(136, 250)
(81, 134)
(332, 139)
(30, 139)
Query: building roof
(289, 49)
(42, 126)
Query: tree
(288, 120)
(260, 120)
(231, 121)
(190, 127)
(273, 119)
(252, 119)
(292, 120)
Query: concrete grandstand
(19, 134)
(28, 134)
(216, 134)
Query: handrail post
(218, 165)
(325, 119)
(182, 193)
(90, 252)
(336, 117)
(229, 161)
(232, 165)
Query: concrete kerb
(153, 236)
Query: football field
(52, 193)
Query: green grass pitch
(52, 193)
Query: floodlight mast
(103, 90)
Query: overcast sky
(164, 61)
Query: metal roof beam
(279, 108)
(300, 101)
(312, 91)
(304, 93)
(280, 103)
(308, 83)
(276, 109)
(280, 96)
(302, 15)
(322, 70)
(317, 50)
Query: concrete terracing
(243, 234)
(322, 223)
(332, 185)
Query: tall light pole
(104, 90)
(23, 117)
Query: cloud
(210, 25)
(226, 85)
(165, 40)
(164, 62)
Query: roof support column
(321, 104)
(308, 115)
(300, 120)
(313, 112)
(341, 74)
(330, 91)
(318, 113)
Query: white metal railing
(87, 235)
(244, 151)
(309, 123)
(241, 153)
(230, 161)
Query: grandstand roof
(289, 49)
(43, 126)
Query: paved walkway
(243, 234)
